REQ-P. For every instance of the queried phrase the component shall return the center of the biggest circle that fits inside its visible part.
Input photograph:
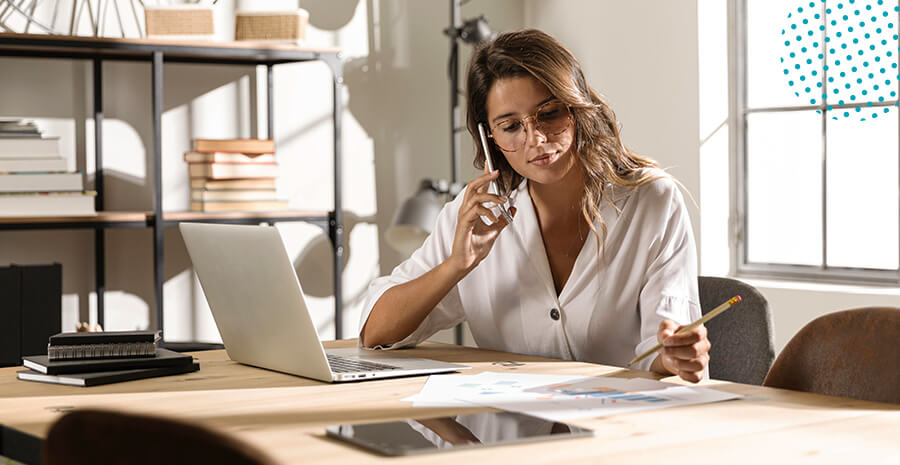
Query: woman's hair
(597, 144)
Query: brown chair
(851, 353)
(100, 437)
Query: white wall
(642, 56)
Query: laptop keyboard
(347, 365)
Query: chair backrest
(102, 437)
(743, 339)
(851, 353)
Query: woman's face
(544, 158)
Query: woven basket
(179, 20)
(271, 26)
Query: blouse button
(554, 314)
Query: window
(815, 102)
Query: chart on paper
(561, 397)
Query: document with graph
(561, 397)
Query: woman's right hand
(473, 239)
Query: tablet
(417, 436)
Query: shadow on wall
(62, 90)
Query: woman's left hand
(686, 354)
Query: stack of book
(91, 359)
(34, 180)
(233, 175)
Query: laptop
(259, 308)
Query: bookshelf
(157, 54)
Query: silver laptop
(258, 306)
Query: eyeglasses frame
(533, 117)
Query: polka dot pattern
(843, 52)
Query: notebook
(164, 358)
(259, 308)
(106, 377)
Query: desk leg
(19, 446)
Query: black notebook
(103, 337)
(105, 344)
(106, 377)
(163, 358)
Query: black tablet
(417, 436)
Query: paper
(442, 390)
(560, 397)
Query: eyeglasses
(550, 119)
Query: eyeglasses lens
(550, 119)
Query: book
(47, 203)
(226, 157)
(164, 358)
(41, 182)
(223, 184)
(250, 206)
(202, 195)
(100, 345)
(32, 165)
(29, 147)
(232, 170)
(234, 145)
(105, 377)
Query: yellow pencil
(709, 316)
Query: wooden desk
(287, 415)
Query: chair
(100, 437)
(851, 353)
(742, 338)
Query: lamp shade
(415, 219)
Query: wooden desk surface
(286, 416)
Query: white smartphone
(490, 166)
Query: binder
(10, 318)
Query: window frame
(738, 113)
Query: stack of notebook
(91, 359)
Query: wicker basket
(275, 26)
(173, 21)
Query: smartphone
(419, 436)
(490, 166)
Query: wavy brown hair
(597, 144)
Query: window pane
(784, 188)
(773, 76)
(862, 192)
(861, 55)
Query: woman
(599, 263)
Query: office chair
(851, 353)
(100, 437)
(743, 339)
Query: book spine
(101, 351)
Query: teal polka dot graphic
(843, 53)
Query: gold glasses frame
(535, 123)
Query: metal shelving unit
(157, 53)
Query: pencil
(709, 316)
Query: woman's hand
(686, 354)
(473, 239)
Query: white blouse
(609, 309)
